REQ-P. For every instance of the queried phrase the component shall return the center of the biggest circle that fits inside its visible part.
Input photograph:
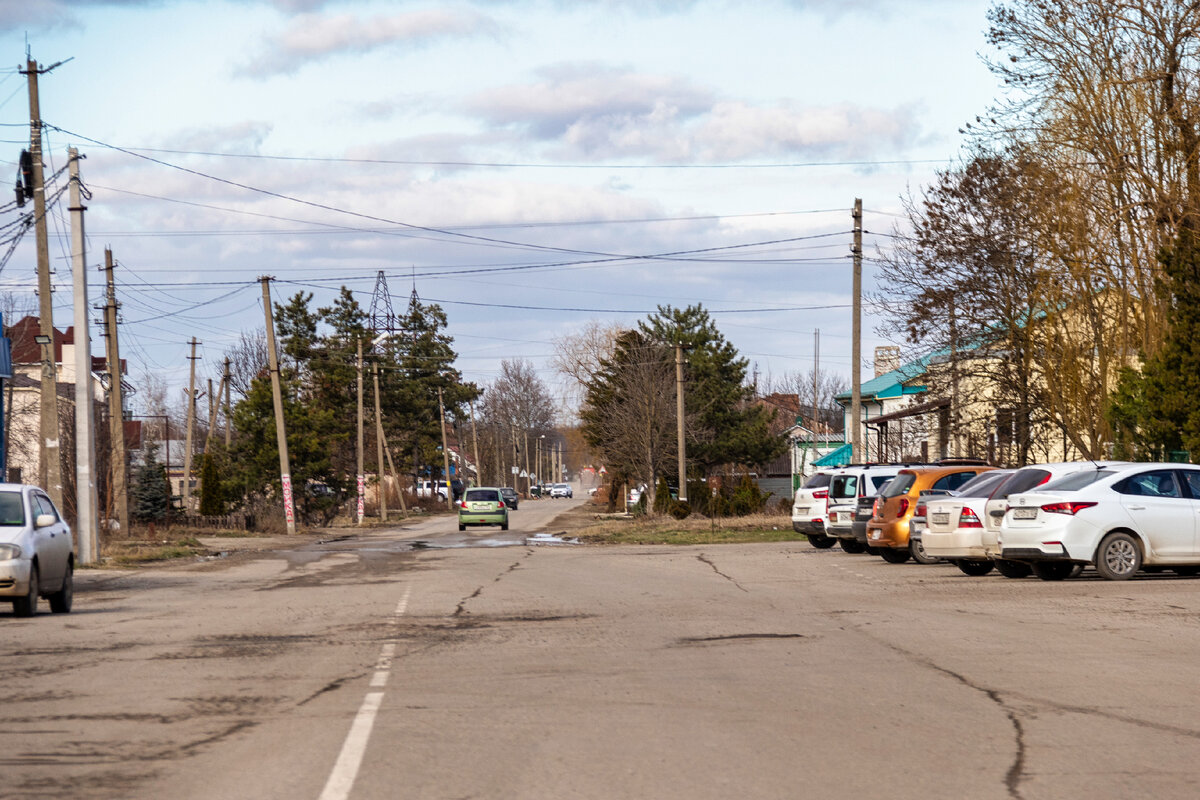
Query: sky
(530, 165)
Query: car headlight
(9, 551)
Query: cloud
(585, 111)
(311, 37)
(40, 15)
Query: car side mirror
(44, 521)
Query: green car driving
(482, 506)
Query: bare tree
(578, 357)
(247, 360)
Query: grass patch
(132, 552)
(693, 530)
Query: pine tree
(212, 503)
(150, 490)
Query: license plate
(801, 510)
(940, 519)
(1025, 513)
(875, 534)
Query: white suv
(845, 487)
(808, 509)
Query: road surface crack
(707, 560)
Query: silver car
(37, 552)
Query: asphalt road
(366, 668)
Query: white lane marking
(346, 768)
(341, 780)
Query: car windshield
(481, 495)
(981, 485)
(818, 481)
(12, 510)
(900, 484)
(1022, 480)
(1077, 480)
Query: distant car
(561, 490)
(510, 496)
(808, 509)
(36, 551)
(482, 506)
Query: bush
(662, 497)
(679, 509)
(747, 498)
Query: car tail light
(821, 494)
(903, 507)
(501, 505)
(1069, 508)
(920, 512)
(969, 519)
(877, 507)
(462, 503)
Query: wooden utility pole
(228, 413)
(445, 452)
(214, 403)
(679, 423)
(116, 400)
(475, 445)
(362, 484)
(49, 453)
(187, 447)
(379, 446)
(86, 506)
(856, 442)
(285, 476)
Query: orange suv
(888, 529)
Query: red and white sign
(289, 510)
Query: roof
(892, 384)
(842, 455)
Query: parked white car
(1119, 518)
(37, 552)
(951, 525)
(845, 487)
(809, 507)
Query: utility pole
(214, 403)
(379, 448)
(228, 413)
(86, 506)
(49, 453)
(362, 480)
(285, 476)
(856, 442)
(187, 447)
(528, 479)
(475, 445)
(445, 452)
(679, 424)
(116, 400)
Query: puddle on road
(452, 542)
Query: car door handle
(1136, 508)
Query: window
(953, 480)
(982, 484)
(843, 487)
(818, 481)
(1191, 479)
(1158, 483)
(42, 505)
(1077, 480)
(900, 485)
(482, 496)
(1021, 481)
(880, 481)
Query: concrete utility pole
(475, 445)
(679, 423)
(285, 476)
(187, 447)
(116, 400)
(86, 505)
(856, 442)
(214, 403)
(379, 446)
(362, 481)
(445, 452)
(49, 453)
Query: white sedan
(37, 552)
(1120, 518)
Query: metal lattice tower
(383, 318)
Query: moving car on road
(510, 496)
(37, 552)
(482, 506)
(561, 490)
(1120, 518)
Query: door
(53, 542)
(1160, 512)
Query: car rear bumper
(808, 525)
(888, 534)
(954, 544)
(481, 518)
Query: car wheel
(504, 525)
(894, 556)
(1186, 571)
(917, 550)
(60, 601)
(852, 545)
(462, 527)
(974, 568)
(874, 550)
(1013, 569)
(27, 606)
(821, 541)
(1053, 570)
(1118, 558)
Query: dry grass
(597, 528)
